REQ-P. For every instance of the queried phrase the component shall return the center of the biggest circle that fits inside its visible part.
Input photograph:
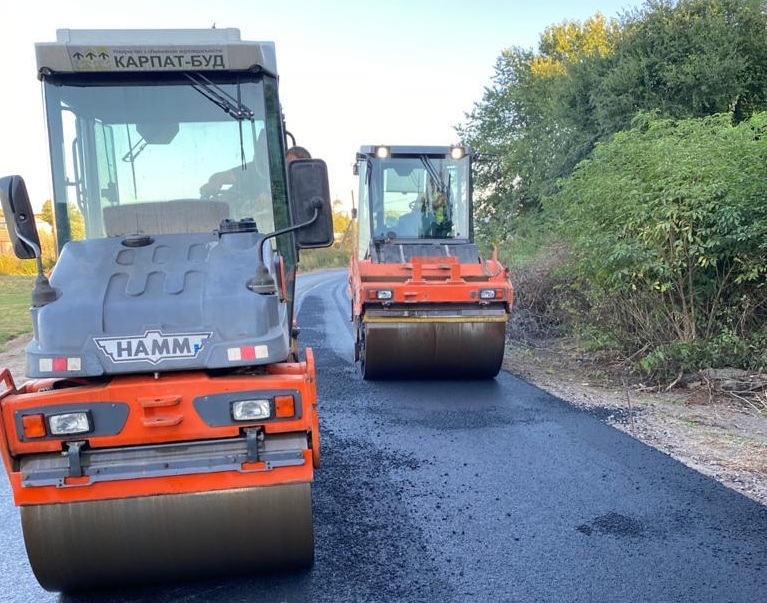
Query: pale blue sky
(351, 72)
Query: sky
(352, 72)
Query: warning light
(380, 294)
(284, 406)
(489, 293)
(33, 426)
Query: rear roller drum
(165, 538)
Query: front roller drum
(165, 538)
(448, 350)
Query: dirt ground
(722, 438)
(12, 357)
(718, 436)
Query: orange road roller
(169, 430)
(425, 302)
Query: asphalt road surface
(494, 491)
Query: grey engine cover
(178, 303)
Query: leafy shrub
(668, 228)
(727, 349)
(540, 294)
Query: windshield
(178, 155)
(416, 197)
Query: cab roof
(370, 150)
(147, 50)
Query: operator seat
(409, 224)
(170, 217)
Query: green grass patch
(15, 292)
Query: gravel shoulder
(717, 436)
(12, 357)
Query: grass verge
(15, 294)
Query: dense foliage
(545, 110)
(667, 224)
(642, 137)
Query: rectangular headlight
(487, 294)
(251, 410)
(384, 294)
(70, 423)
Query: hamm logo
(153, 346)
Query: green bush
(727, 349)
(668, 230)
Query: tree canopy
(545, 109)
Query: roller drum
(165, 538)
(453, 350)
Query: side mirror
(19, 217)
(309, 192)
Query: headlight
(70, 423)
(382, 152)
(487, 294)
(384, 294)
(251, 410)
(457, 152)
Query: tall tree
(690, 58)
(524, 128)
(545, 110)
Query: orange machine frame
(160, 411)
(428, 280)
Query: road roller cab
(170, 430)
(425, 302)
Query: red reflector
(77, 481)
(248, 352)
(284, 406)
(33, 425)
(59, 364)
